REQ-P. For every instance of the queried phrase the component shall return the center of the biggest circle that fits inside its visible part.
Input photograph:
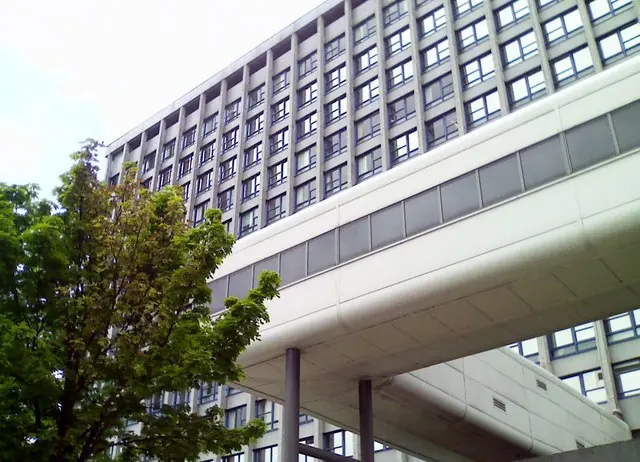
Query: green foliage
(103, 303)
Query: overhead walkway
(524, 226)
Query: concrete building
(356, 88)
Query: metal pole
(291, 423)
(323, 454)
(366, 421)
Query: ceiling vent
(541, 384)
(499, 404)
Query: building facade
(355, 88)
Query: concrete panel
(627, 451)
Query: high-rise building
(353, 89)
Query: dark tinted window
(218, 294)
(460, 196)
(626, 122)
(354, 239)
(500, 180)
(322, 252)
(387, 226)
(240, 282)
(270, 264)
(422, 212)
(542, 163)
(293, 263)
(590, 143)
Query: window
(623, 326)
(232, 111)
(366, 60)
(207, 152)
(335, 144)
(483, 108)
(114, 179)
(279, 141)
(438, 91)
(181, 398)
(464, 6)
(402, 109)
(599, 9)
(255, 97)
(255, 125)
(589, 384)
(620, 43)
(146, 184)
(367, 93)
(148, 162)
(307, 95)
(168, 149)
(572, 66)
(188, 138)
(572, 340)
(185, 166)
(473, 33)
(280, 110)
(368, 164)
(234, 458)
(512, 13)
(155, 403)
(394, 12)
(225, 200)
(404, 147)
(278, 173)
(281, 81)
(398, 42)
(367, 127)
(227, 169)
(305, 194)
(364, 30)
(199, 211)
(339, 442)
(230, 140)
(627, 375)
(204, 182)
(379, 447)
(251, 187)
(562, 26)
(268, 454)
(526, 348)
(164, 177)
(304, 418)
(400, 74)
(545, 3)
(308, 64)
(306, 160)
(276, 208)
(435, 55)
(185, 191)
(248, 224)
(209, 124)
(334, 48)
(442, 129)
(335, 110)
(519, 49)
(477, 71)
(307, 126)
(526, 88)
(309, 442)
(335, 180)
(433, 22)
(253, 156)
(208, 392)
(232, 391)
(335, 78)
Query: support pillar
(291, 411)
(366, 420)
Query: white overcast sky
(73, 69)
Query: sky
(77, 69)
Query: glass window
(599, 9)
(368, 164)
(204, 182)
(293, 264)
(225, 199)
(322, 252)
(255, 97)
(473, 34)
(208, 392)
(248, 222)
(482, 109)
(207, 152)
(512, 13)
(354, 239)
(402, 109)
(398, 42)
(266, 411)
(169, 149)
(268, 454)
(464, 6)
(368, 127)
(281, 81)
(562, 26)
(251, 187)
(400, 74)
(280, 110)
(234, 458)
(477, 71)
(232, 111)
(433, 22)
(364, 30)
(526, 88)
(185, 166)
(625, 121)
(590, 143)
(148, 162)
(306, 160)
(589, 384)
(368, 59)
(335, 78)
(199, 212)
(335, 110)
(627, 375)
(500, 180)
(255, 125)
(519, 49)
(623, 326)
(387, 226)
(276, 208)
(209, 124)
(335, 144)
(422, 211)
(307, 126)
(308, 64)
(235, 417)
(573, 340)
(392, 13)
(438, 91)
(335, 180)
(441, 129)
(335, 48)
(164, 177)
(227, 169)
(278, 173)
(305, 194)
(230, 140)
(622, 42)
(279, 141)
(435, 55)
(189, 137)
(460, 196)
(526, 348)
(404, 146)
(307, 95)
(572, 66)
(543, 162)
(367, 93)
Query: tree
(103, 304)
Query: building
(355, 88)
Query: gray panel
(354, 239)
(422, 211)
(322, 252)
(387, 226)
(268, 264)
(460, 196)
(293, 263)
(590, 143)
(218, 294)
(240, 282)
(500, 180)
(626, 122)
(543, 162)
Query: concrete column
(542, 47)
(497, 58)
(293, 88)
(607, 371)
(544, 355)
(417, 76)
(382, 89)
(264, 168)
(351, 101)
(455, 68)
(591, 40)
(320, 112)
(366, 420)
(218, 145)
(242, 135)
(291, 409)
(196, 160)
